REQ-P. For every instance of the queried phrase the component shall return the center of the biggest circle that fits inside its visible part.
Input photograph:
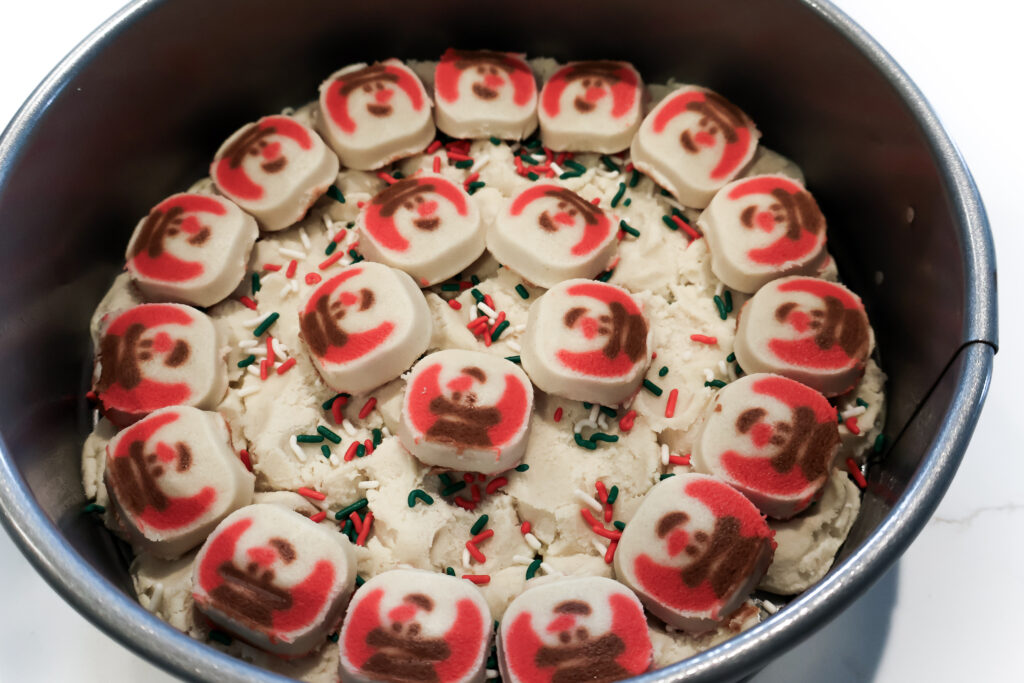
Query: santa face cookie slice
(548, 234)
(158, 355)
(365, 326)
(771, 438)
(274, 578)
(574, 629)
(411, 625)
(467, 411)
(693, 551)
(173, 477)
(694, 142)
(591, 107)
(426, 226)
(373, 115)
(479, 94)
(274, 169)
(587, 341)
(191, 248)
(810, 330)
(762, 228)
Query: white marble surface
(916, 623)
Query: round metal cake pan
(136, 110)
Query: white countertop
(915, 623)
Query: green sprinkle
(605, 276)
(356, 256)
(861, 402)
(663, 371)
(325, 450)
(450, 287)
(348, 510)
(618, 195)
(528, 159)
(716, 383)
(627, 228)
(879, 443)
(682, 216)
(474, 186)
(465, 163)
(331, 246)
(634, 178)
(576, 166)
(532, 176)
(728, 301)
(601, 436)
(331, 436)
(514, 359)
(397, 175)
(584, 443)
(569, 174)
(613, 493)
(246, 362)
(378, 436)
(265, 325)
(452, 488)
(449, 571)
(610, 412)
(419, 494)
(479, 524)
(495, 141)
(720, 305)
(94, 507)
(587, 406)
(652, 387)
(220, 637)
(475, 279)
(739, 370)
(499, 329)
(492, 660)
(347, 529)
(359, 580)
(609, 163)
(666, 476)
(309, 438)
(667, 220)
(521, 291)
(255, 282)
(619, 525)
(665, 193)
(446, 479)
(360, 450)
(533, 143)
(731, 358)
(334, 193)
(333, 637)
(522, 468)
(477, 295)
(629, 200)
(531, 571)
(326, 405)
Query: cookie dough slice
(414, 625)
(479, 94)
(810, 330)
(574, 629)
(771, 438)
(275, 169)
(591, 107)
(693, 143)
(427, 226)
(693, 551)
(274, 578)
(467, 411)
(762, 228)
(173, 477)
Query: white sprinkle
(291, 253)
(518, 328)
(260, 350)
(599, 546)
(297, 449)
(687, 355)
(491, 673)
(95, 417)
(481, 161)
(466, 558)
(279, 347)
(672, 202)
(855, 411)
(629, 402)
(769, 606)
(605, 173)
(512, 344)
(556, 168)
(287, 111)
(548, 569)
(721, 368)
(532, 541)
(720, 289)
(248, 391)
(369, 484)
(293, 285)
(602, 422)
(304, 237)
(664, 455)
(255, 322)
(709, 375)
(248, 344)
(334, 460)
(328, 223)
(595, 410)
(349, 428)
(669, 628)
(578, 427)
(157, 598)
(522, 559)
(588, 499)
(486, 310)
(253, 370)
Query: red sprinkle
(851, 424)
(351, 452)
(248, 303)
(455, 305)
(858, 476)
(367, 407)
(476, 321)
(290, 271)
(271, 356)
(319, 517)
(685, 227)
(434, 146)
(589, 517)
(336, 413)
(474, 492)
(629, 167)
(437, 163)
(464, 504)
(525, 528)
(339, 237)
(368, 444)
(473, 177)
(286, 366)
(361, 540)
(596, 201)
(703, 339)
(273, 267)
(611, 534)
(310, 493)
(332, 259)
(500, 319)
(313, 278)
(475, 552)
(458, 156)
(670, 406)
(489, 301)
(610, 554)
(602, 491)
(357, 521)
(243, 455)
(626, 423)
(467, 477)
(478, 579)
(264, 369)
(482, 536)
(487, 339)
(495, 484)
(387, 177)
(558, 414)
(683, 460)
(654, 354)
(607, 512)
(360, 205)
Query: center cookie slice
(548, 233)
(158, 355)
(574, 629)
(365, 326)
(591, 107)
(274, 578)
(412, 625)
(275, 169)
(694, 142)
(467, 411)
(693, 551)
(773, 439)
(479, 94)
(373, 115)
(587, 341)
(173, 477)
(427, 226)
